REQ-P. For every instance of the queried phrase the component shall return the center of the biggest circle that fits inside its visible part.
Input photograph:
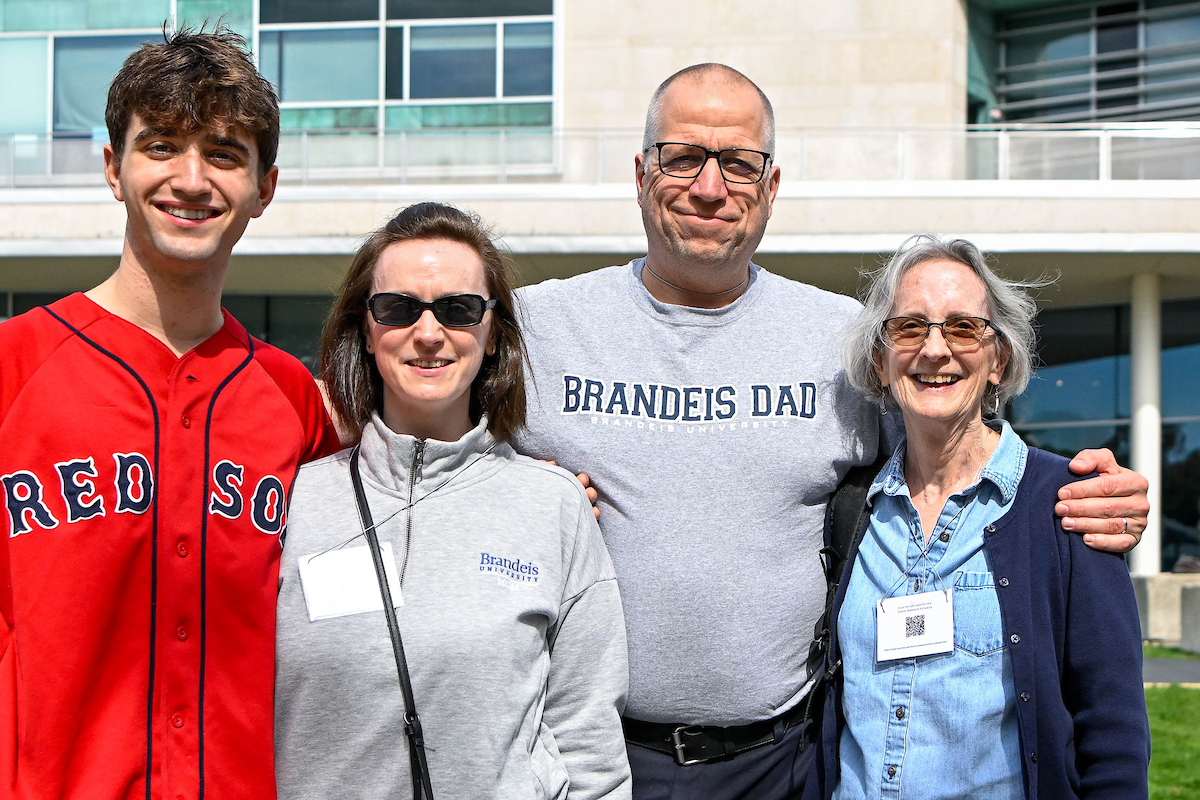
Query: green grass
(1175, 734)
(1151, 651)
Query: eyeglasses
(453, 310)
(958, 331)
(737, 165)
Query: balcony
(1115, 151)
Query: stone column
(1145, 430)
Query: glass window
(1111, 61)
(1085, 372)
(1180, 492)
(274, 11)
(294, 325)
(23, 102)
(1181, 359)
(250, 310)
(448, 9)
(1166, 32)
(527, 58)
(290, 322)
(321, 65)
(27, 301)
(393, 66)
(327, 118)
(1069, 441)
(84, 66)
(486, 115)
(452, 61)
(76, 15)
(237, 15)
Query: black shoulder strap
(412, 723)
(847, 514)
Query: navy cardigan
(1075, 641)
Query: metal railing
(1117, 151)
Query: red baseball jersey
(145, 496)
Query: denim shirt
(944, 725)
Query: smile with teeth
(190, 213)
(937, 380)
(430, 363)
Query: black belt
(695, 744)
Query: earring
(991, 400)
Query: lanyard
(412, 723)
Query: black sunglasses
(453, 310)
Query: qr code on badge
(914, 625)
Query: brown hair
(351, 377)
(191, 81)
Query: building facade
(1057, 136)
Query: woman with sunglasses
(505, 670)
(977, 650)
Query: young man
(147, 446)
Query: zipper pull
(418, 454)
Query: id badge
(338, 583)
(914, 625)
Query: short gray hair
(698, 72)
(1010, 308)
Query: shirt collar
(1003, 470)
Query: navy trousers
(776, 771)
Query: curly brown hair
(351, 377)
(194, 80)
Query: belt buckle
(677, 737)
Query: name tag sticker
(914, 625)
(338, 583)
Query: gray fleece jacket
(511, 622)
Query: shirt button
(916, 586)
(182, 549)
(187, 421)
(945, 537)
(1004, 581)
(990, 529)
(891, 772)
(1014, 639)
(1033, 757)
(1024, 697)
(899, 713)
(177, 721)
(181, 632)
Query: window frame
(1090, 82)
(382, 103)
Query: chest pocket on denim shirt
(977, 624)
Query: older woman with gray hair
(977, 650)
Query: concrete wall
(851, 62)
(1159, 599)
(1190, 619)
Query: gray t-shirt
(715, 438)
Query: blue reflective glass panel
(452, 61)
(84, 66)
(321, 65)
(446, 9)
(1181, 358)
(23, 102)
(1180, 492)
(272, 11)
(76, 15)
(528, 61)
